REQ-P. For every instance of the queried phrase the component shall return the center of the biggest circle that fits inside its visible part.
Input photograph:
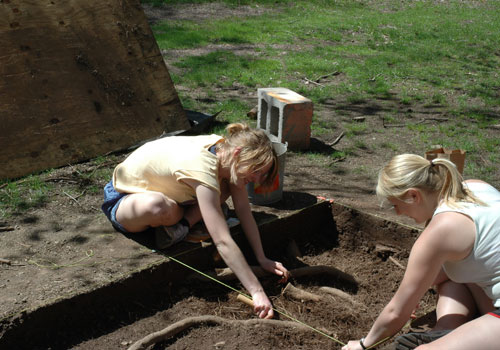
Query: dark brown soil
(337, 319)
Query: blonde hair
(407, 171)
(256, 152)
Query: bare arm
(209, 203)
(242, 208)
(449, 236)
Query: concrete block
(286, 116)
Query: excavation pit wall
(370, 253)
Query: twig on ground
(10, 263)
(312, 82)
(326, 76)
(397, 263)
(182, 325)
(5, 261)
(391, 125)
(70, 196)
(375, 77)
(299, 294)
(61, 179)
(337, 140)
(421, 121)
(383, 249)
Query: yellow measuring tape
(283, 313)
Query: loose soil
(340, 318)
(65, 246)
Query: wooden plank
(78, 79)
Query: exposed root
(226, 274)
(182, 325)
(299, 294)
(341, 294)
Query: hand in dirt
(262, 306)
(352, 345)
(276, 268)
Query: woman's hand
(352, 345)
(276, 268)
(261, 305)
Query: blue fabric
(112, 200)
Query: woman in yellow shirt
(172, 183)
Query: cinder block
(286, 116)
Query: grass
(36, 190)
(435, 47)
(434, 55)
(21, 195)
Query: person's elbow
(223, 244)
(395, 315)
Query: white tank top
(482, 266)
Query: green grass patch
(30, 192)
(430, 55)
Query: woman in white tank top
(458, 252)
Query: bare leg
(139, 211)
(481, 333)
(192, 214)
(483, 302)
(455, 306)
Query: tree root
(299, 294)
(182, 325)
(226, 274)
(341, 294)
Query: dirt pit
(347, 265)
(363, 271)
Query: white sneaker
(165, 236)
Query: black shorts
(495, 313)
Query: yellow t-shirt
(161, 165)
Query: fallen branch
(299, 294)
(182, 325)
